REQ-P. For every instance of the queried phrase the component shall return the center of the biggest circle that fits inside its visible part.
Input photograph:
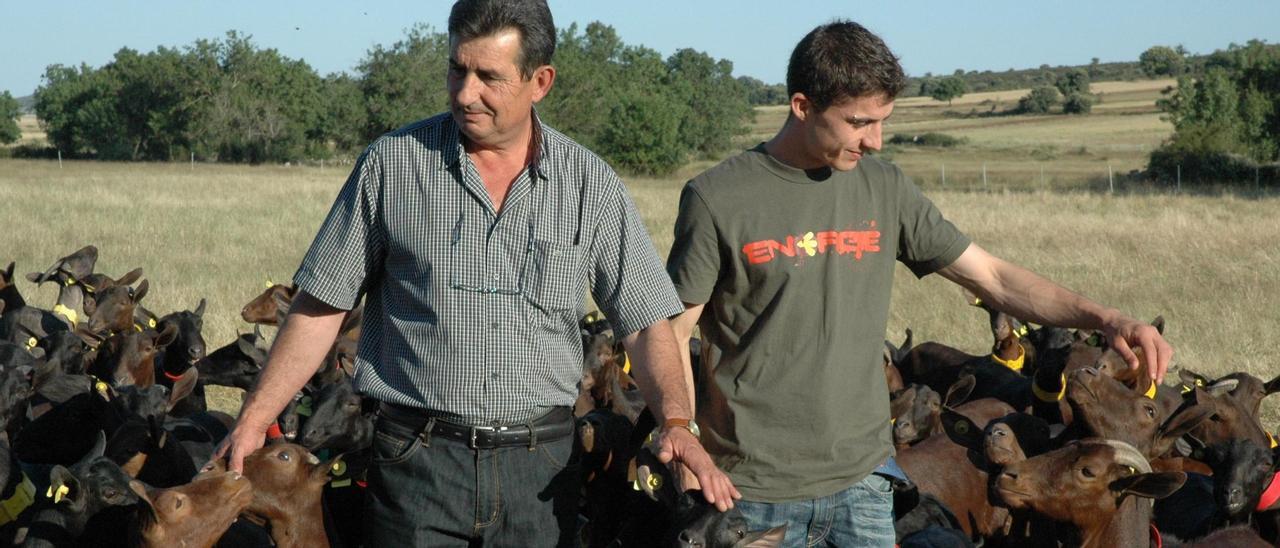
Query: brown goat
(264, 309)
(958, 477)
(288, 482)
(1103, 407)
(1096, 486)
(195, 514)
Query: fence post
(193, 160)
(1111, 179)
(944, 174)
(984, 175)
(322, 165)
(59, 158)
(1042, 175)
(1179, 178)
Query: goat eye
(284, 456)
(1151, 412)
(1215, 418)
(1086, 472)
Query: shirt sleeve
(694, 262)
(926, 241)
(629, 283)
(348, 251)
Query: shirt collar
(453, 142)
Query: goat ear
(1001, 326)
(200, 308)
(130, 277)
(960, 391)
(167, 335)
(961, 430)
(1272, 385)
(1186, 417)
(1154, 485)
(141, 291)
(1221, 387)
(33, 277)
(140, 489)
(63, 486)
(769, 538)
(8, 273)
(245, 346)
(183, 387)
(1194, 448)
(1158, 323)
(1190, 378)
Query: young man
(472, 235)
(784, 256)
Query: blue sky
(757, 36)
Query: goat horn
(1129, 456)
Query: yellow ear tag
(339, 467)
(1151, 392)
(976, 301)
(626, 363)
(101, 387)
(70, 282)
(57, 494)
(31, 343)
(1272, 439)
(655, 482)
(1132, 470)
(270, 284)
(151, 322)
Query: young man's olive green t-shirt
(796, 269)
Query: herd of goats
(1048, 440)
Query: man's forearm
(660, 372)
(1025, 294)
(297, 353)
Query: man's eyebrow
(867, 119)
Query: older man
(472, 235)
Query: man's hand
(678, 444)
(1127, 334)
(243, 440)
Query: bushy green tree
(643, 136)
(1072, 82)
(948, 89)
(345, 117)
(1161, 61)
(1077, 103)
(1039, 101)
(406, 82)
(717, 108)
(9, 112)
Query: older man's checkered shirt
(469, 312)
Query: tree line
(229, 100)
(1226, 116)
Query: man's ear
(543, 77)
(801, 106)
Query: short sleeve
(629, 283)
(349, 248)
(926, 241)
(694, 262)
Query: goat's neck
(1129, 526)
(72, 297)
(302, 526)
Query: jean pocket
(392, 447)
(557, 455)
(879, 485)
(553, 276)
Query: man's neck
(518, 150)
(788, 147)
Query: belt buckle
(473, 430)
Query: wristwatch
(686, 424)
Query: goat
(195, 514)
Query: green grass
(1206, 261)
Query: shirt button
(495, 275)
(494, 325)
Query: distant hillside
(27, 105)
(1045, 75)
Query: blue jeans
(860, 516)
(434, 491)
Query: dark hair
(843, 59)
(532, 18)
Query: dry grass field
(1205, 261)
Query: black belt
(553, 425)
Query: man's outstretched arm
(298, 351)
(1029, 296)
